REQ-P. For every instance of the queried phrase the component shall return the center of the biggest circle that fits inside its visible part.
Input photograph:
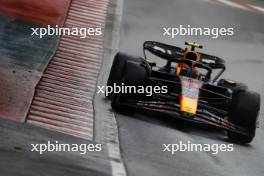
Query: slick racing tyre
(134, 74)
(117, 68)
(244, 111)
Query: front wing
(171, 109)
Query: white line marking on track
(238, 4)
(118, 168)
(258, 8)
(232, 4)
(117, 164)
(106, 125)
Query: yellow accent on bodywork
(178, 70)
(150, 61)
(193, 44)
(188, 105)
(230, 81)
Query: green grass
(259, 3)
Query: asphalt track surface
(23, 59)
(142, 136)
(17, 157)
(23, 56)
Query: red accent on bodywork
(41, 12)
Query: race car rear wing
(215, 63)
(173, 53)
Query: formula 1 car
(191, 94)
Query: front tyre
(244, 111)
(134, 74)
(117, 69)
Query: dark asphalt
(23, 59)
(16, 157)
(142, 136)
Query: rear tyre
(117, 68)
(244, 111)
